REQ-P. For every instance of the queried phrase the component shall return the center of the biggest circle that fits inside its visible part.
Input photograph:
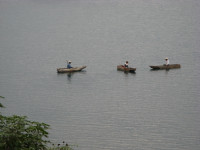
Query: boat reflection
(71, 74)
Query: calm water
(102, 108)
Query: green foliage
(0, 103)
(18, 133)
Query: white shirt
(126, 64)
(167, 62)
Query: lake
(101, 108)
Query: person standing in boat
(69, 64)
(167, 61)
(126, 64)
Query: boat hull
(171, 66)
(122, 68)
(75, 69)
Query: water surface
(102, 108)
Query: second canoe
(125, 69)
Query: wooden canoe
(171, 66)
(64, 70)
(122, 68)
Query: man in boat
(126, 64)
(167, 61)
(69, 64)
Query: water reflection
(159, 70)
(70, 74)
(133, 73)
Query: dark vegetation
(19, 133)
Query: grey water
(101, 108)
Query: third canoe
(171, 66)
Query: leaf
(1, 105)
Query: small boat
(171, 66)
(75, 69)
(122, 68)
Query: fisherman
(69, 64)
(167, 61)
(126, 64)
